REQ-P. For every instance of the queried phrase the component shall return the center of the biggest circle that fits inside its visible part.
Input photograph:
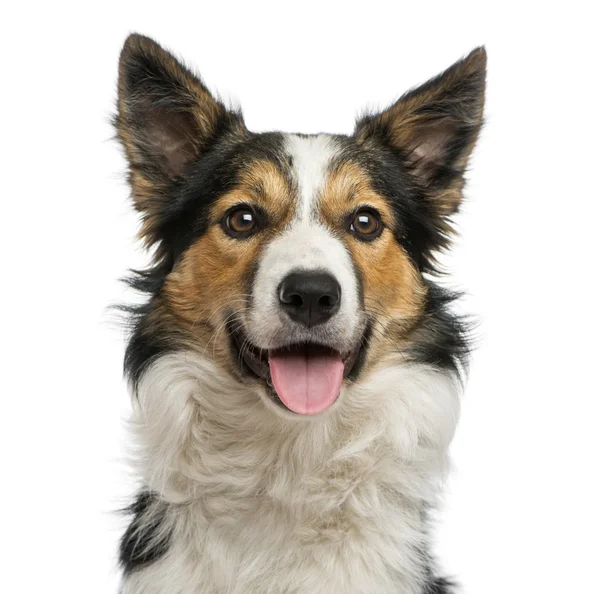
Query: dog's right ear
(165, 118)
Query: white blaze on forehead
(311, 157)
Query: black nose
(310, 298)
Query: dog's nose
(310, 298)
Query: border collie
(295, 369)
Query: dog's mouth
(304, 378)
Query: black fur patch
(439, 586)
(442, 337)
(145, 539)
(362, 354)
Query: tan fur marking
(262, 184)
(347, 188)
(211, 280)
(393, 288)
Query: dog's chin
(253, 364)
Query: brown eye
(366, 224)
(241, 222)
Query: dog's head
(294, 262)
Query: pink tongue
(307, 382)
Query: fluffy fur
(240, 495)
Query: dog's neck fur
(254, 502)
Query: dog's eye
(366, 224)
(241, 222)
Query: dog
(296, 368)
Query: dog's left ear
(434, 128)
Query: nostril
(328, 301)
(289, 297)
(294, 299)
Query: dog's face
(294, 262)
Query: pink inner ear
(171, 137)
(427, 149)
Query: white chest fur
(262, 504)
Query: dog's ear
(434, 128)
(165, 118)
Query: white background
(521, 515)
